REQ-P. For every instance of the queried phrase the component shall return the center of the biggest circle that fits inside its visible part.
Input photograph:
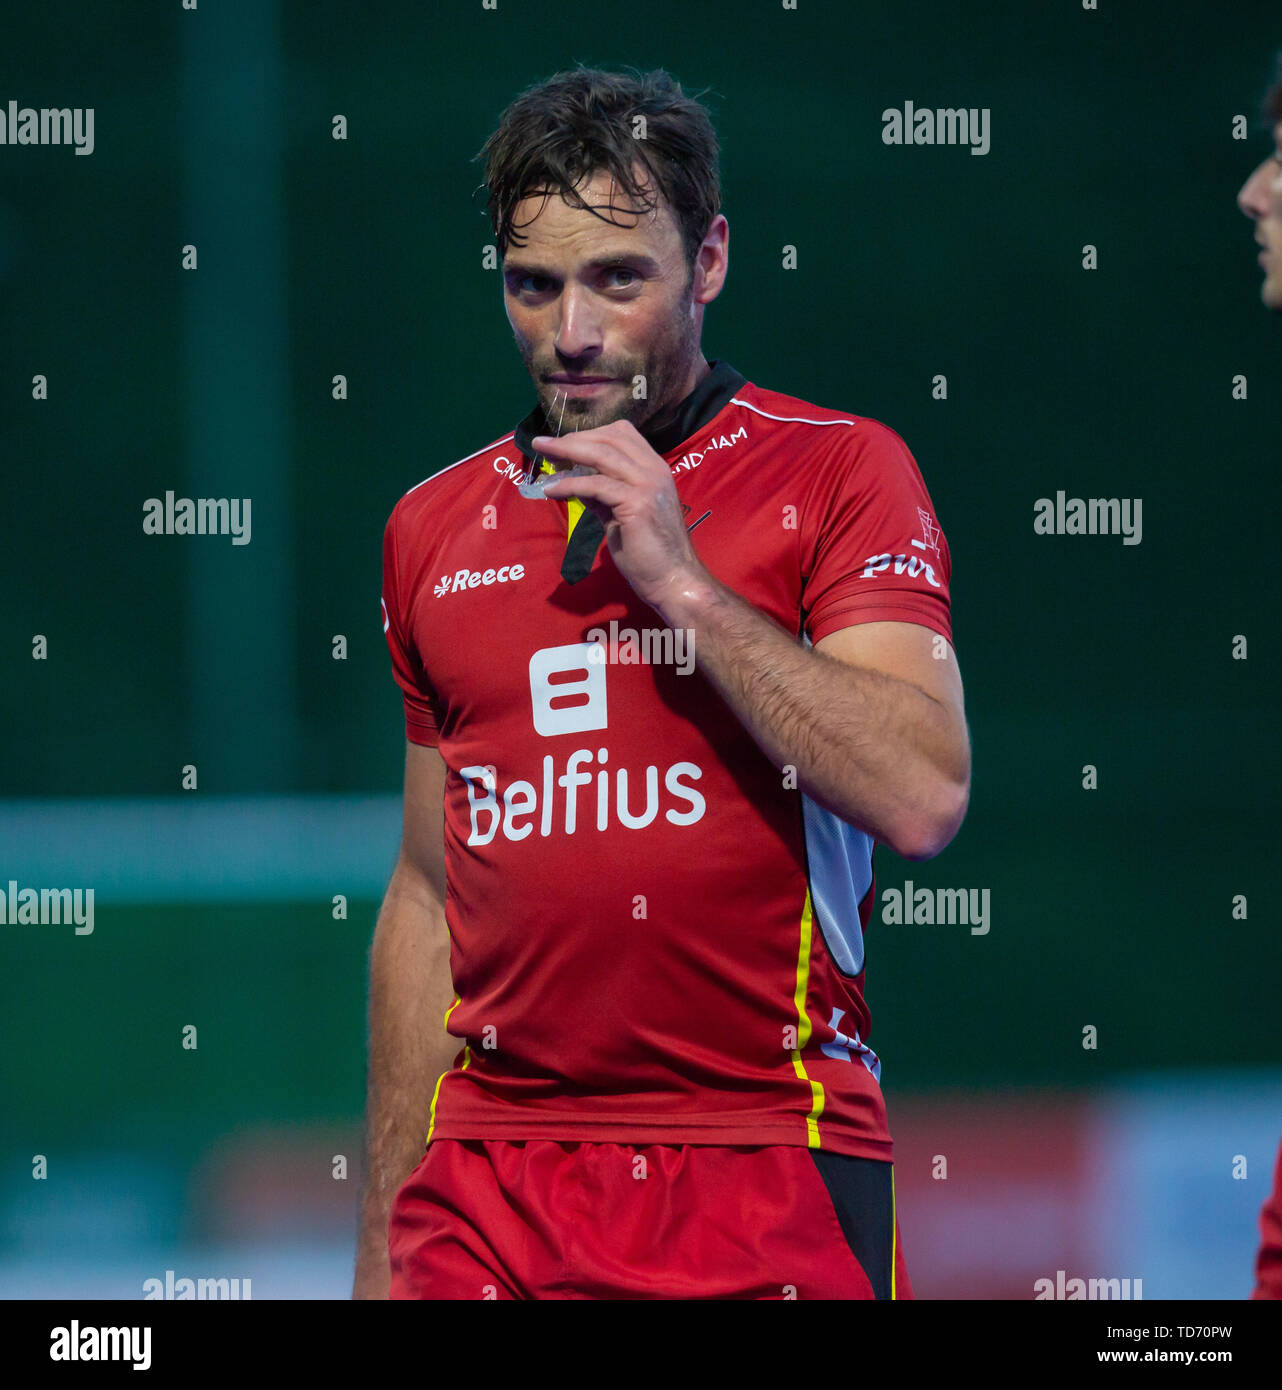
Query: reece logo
(475, 579)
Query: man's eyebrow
(629, 258)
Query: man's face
(1261, 199)
(589, 299)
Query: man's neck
(665, 416)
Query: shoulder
(830, 437)
(844, 428)
(451, 484)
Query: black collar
(721, 382)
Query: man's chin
(582, 414)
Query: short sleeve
(421, 720)
(871, 546)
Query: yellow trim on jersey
(467, 1057)
(575, 504)
(894, 1232)
(803, 1026)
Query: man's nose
(580, 330)
(1253, 197)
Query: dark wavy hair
(580, 121)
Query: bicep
(422, 857)
(909, 652)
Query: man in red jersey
(1260, 198)
(644, 780)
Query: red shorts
(491, 1218)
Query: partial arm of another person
(410, 989)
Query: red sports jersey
(655, 937)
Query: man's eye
(522, 285)
(622, 270)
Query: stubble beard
(665, 375)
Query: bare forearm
(410, 990)
(872, 749)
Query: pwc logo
(911, 565)
(568, 696)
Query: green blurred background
(363, 257)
